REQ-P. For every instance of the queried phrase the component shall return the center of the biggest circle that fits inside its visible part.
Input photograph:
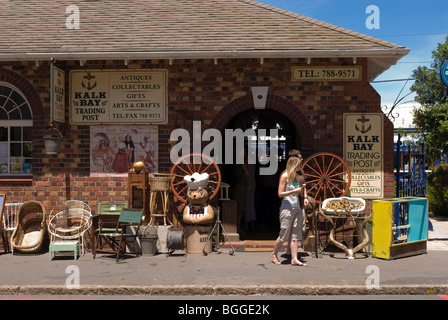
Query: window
(16, 132)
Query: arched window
(16, 132)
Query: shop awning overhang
(379, 60)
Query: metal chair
(67, 228)
(78, 204)
(119, 238)
(10, 213)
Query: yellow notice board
(363, 153)
(118, 96)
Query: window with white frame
(16, 132)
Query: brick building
(212, 54)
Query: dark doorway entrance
(266, 201)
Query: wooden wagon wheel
(189, 164)
(327, 176)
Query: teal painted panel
(418, 220)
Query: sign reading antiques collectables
(363, 153)
(118, 96)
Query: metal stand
(216, 227)
(316, 233)
(318, 247)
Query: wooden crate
(384, 244)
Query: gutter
(368, 53)
(382, 59)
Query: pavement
(245, 273)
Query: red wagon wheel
(189, 164)
(327, 176)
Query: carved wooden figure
(198, 210)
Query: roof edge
(118, 55)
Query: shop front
(115, 103)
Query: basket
(160, 182)
(28, 237)
(359, 202)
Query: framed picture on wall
(114, 149)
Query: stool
(58, 246)
(153, 205)
(159, 188)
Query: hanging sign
(118, 96)
(57, 95)
(363, 153)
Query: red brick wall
(197, 90)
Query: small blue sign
(444, 73)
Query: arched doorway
(292, 111)
(263, 223)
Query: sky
(415, 24)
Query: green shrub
(437, 187)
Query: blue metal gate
(410, 174)
(410, 179)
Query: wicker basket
(160, 182)
(29, 235)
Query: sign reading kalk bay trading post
(118, 96)
(363, 153)
(57, 94)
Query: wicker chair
(29, 234)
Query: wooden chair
(119, 238)
(10, 213)
(107, 216)
(3, 232)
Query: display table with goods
(346, 209)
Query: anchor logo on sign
(59, 79)
(89, 86)
(362, 128)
